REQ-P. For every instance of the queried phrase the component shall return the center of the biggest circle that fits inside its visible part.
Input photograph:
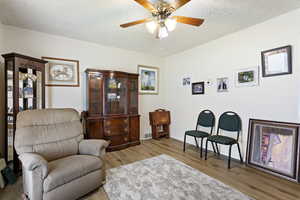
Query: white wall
(90, 55)
(2, 135)
(276, 98)
(1, 39)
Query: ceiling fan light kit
(161, 29)
(161, 22)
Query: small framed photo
(198, 88)
(62, 72)
(186, 81)
(273, 147)
(277, 61)
(148, 80)
(247, 77)
(222, 84)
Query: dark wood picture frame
(67, 60)
(194, 85)
(296, 156)
(288, 49)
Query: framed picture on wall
(277, 61)
(186, 81)
(273, 147)
(148, 79)
(222, 84)
(247, 77)
(62, 72)
(198, 88)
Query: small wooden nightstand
(160, 121)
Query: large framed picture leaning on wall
(273, 147)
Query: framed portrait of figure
(148, 79)
(61, 72)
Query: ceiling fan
(161, 22)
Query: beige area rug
(165, 178)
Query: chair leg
(213, 146)
(229, 156)
(206, 150)
(184, 143)
(218, 151)
(201, 147)
(241, 158)
(196, 142)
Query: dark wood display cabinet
(112, 108)
(24, 90)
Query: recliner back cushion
(52, 133)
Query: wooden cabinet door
(135, 129)
(95, 129)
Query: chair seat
(67, 169)
(221, 139)
(198, 134)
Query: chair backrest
(52, 133)
(230, 121)
(206, 119)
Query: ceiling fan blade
(146, 4)
(179, 3)
(135, 22)
(189, 20)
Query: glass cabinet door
(24, 92)
(30, 89)
(115, 95)
(10, 112)
(95, 90)
(133, 96)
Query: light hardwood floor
(254, 183)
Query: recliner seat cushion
(67, 169)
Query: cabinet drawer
(119, 126)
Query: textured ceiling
(98, 20)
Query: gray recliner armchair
(57, 162)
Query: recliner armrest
(32, 161)
(93, 147)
